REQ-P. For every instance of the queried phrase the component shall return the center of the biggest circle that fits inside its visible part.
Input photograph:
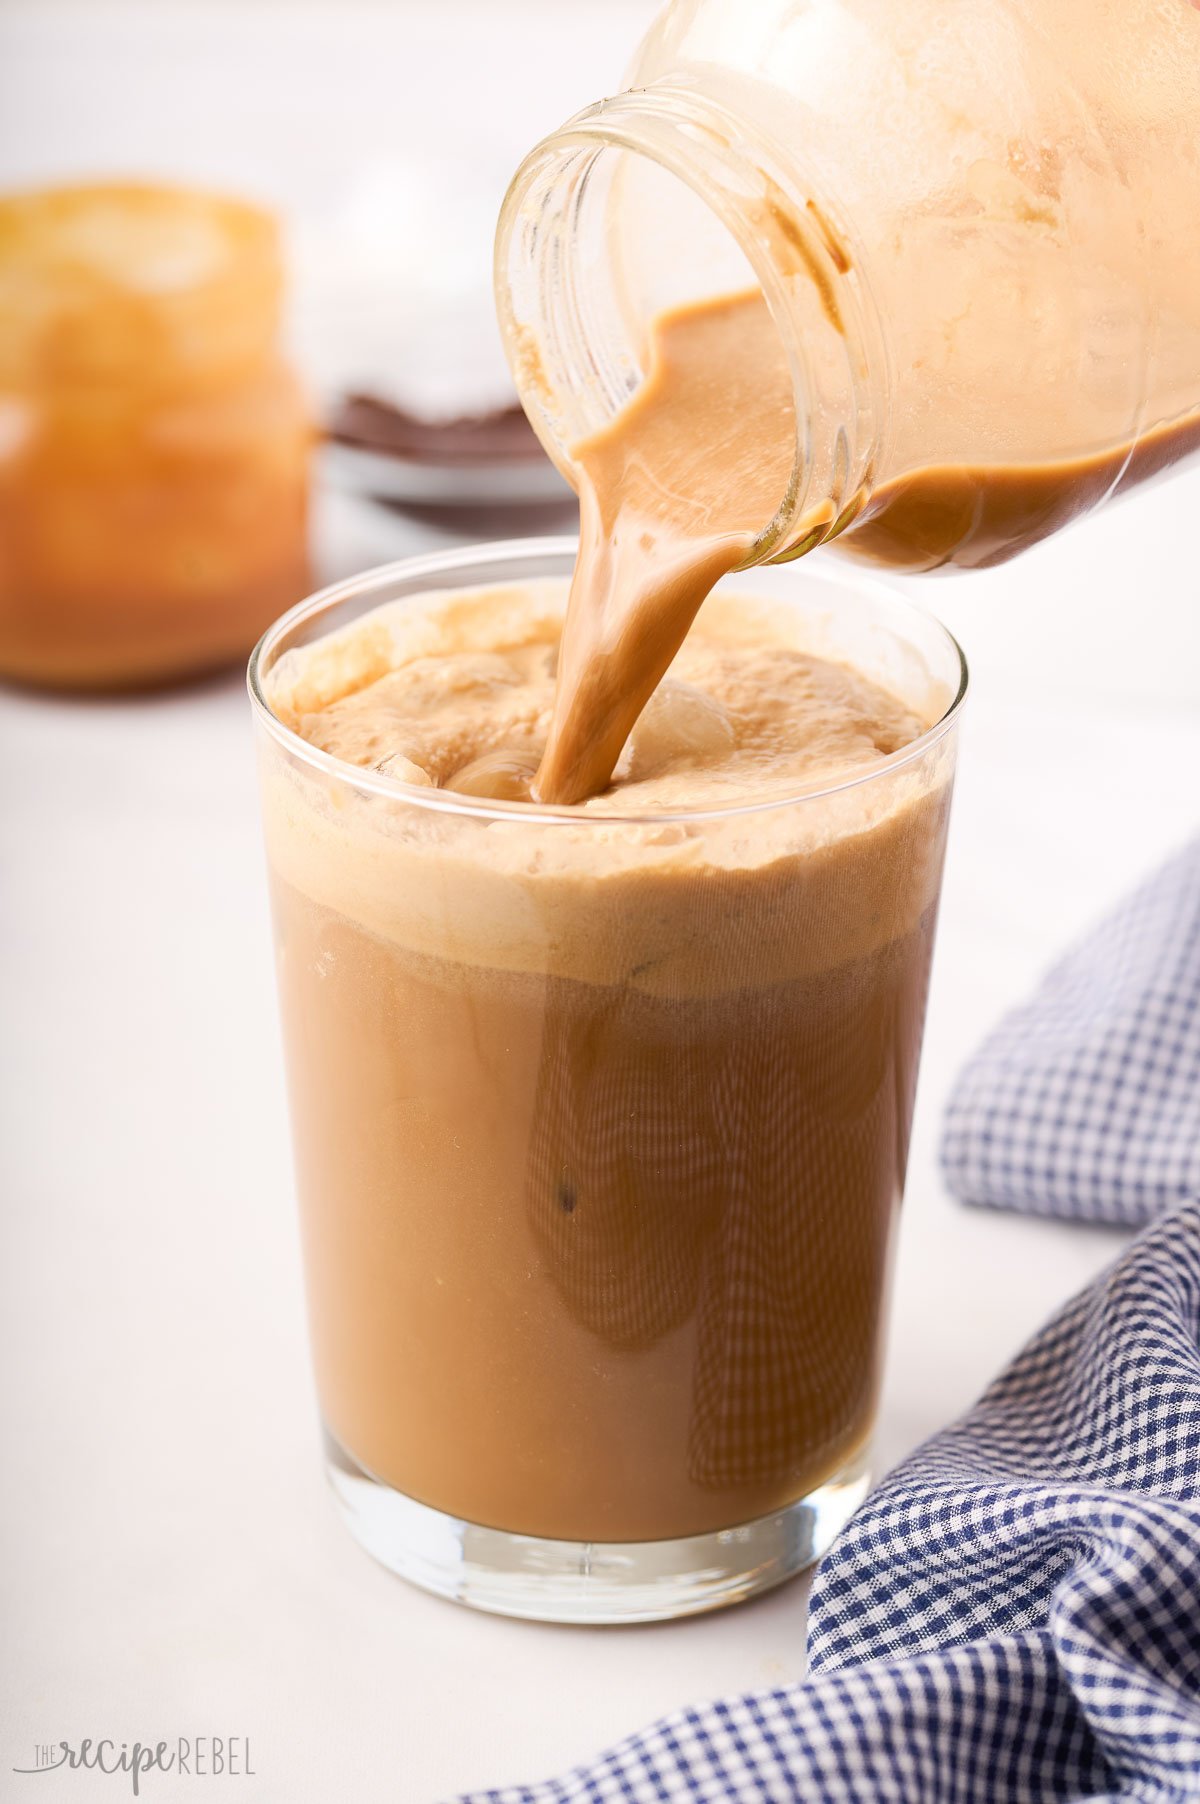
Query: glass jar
(154, 444)
(977, 228)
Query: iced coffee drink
(601, 1111)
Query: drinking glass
(600, 1126)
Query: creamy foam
(748, 715)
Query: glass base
(588, 1581)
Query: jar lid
(133, 283)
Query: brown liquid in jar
(677, 487)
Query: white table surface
(172, 1564)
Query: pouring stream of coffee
(673, 493)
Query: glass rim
(562, 546)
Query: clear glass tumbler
(600, 1126)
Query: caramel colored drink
(601, 1112)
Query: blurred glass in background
(161, 167)
(154, 444)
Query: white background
(171, 1563)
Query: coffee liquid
(600, 1126)
(587, 1260)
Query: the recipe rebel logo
(193, 1757)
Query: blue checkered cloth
(1085, 1102)
(1013, 1617)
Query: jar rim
(745, 182)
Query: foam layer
(464, 683)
